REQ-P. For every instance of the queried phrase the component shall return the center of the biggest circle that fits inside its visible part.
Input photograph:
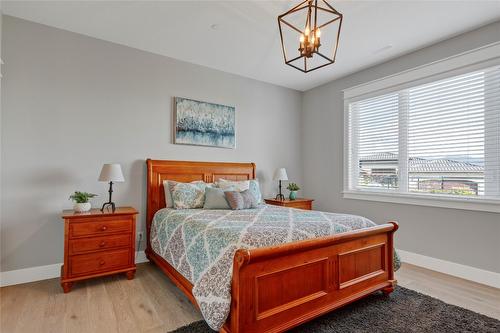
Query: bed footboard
(277, 288)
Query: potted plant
(293, 188)
(81, 200)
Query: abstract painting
(203, 124)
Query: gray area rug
(403, 311)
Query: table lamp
(280, 174)
(111, 173)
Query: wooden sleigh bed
(277, 288)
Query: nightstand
(300, 203)
(97, 244)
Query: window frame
(477, 59)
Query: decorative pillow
(241, 200)
(169, 202)
(254, 188)
(187, 195)
(241, 185)
(215, 199)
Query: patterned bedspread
(200, 244)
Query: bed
(272, 288)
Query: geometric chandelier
(303, 30)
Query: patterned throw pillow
(169, 202)
(241, 200)
(242, 185)
(187, 195)
(254, 188)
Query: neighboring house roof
(442, 165)
(381, 157)
(422, 165)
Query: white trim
(347, 146)
(476, 57)
(140, 257)
(38, 273)
(478, 275)
(442, 201)
(31, 274)
(492, 279)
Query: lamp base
(280, 197)
(107, 204)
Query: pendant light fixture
(310, 34)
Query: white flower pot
(82, 207)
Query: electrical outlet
(140, 234)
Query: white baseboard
(38, 273)
(451, 268)
(31, 274)
(140, 257)
(492, 279)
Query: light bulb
(302, 38)
(312, 40)
(306, 32)
(318, 33)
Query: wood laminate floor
(151, 303)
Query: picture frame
(202, 123)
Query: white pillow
(240, 186)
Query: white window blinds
(377, 142)
(441, 138)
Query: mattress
(200, 244)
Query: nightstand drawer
(98, 227)
(300, 205)
(82, 245)
(99, 261)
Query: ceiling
(242, 37)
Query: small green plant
(81, 197)
(293, 187)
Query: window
(441, 139)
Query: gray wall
(71, 103)
(1, 70)
(466, 237)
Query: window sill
(485, 205)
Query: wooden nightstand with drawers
(98, 243)
(300, 203)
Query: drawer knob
(102, 244)
(101, 262)
(103, 228)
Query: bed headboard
(185, 171)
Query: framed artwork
(204, 124)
